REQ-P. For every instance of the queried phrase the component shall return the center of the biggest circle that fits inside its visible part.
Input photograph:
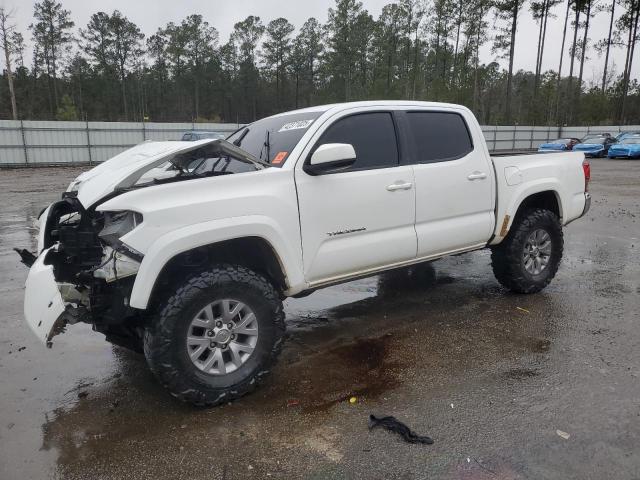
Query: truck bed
(520, 175)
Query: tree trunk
(633, 39)
(437, 49)
(573, 56)
(475, 78)
(606, 57)
(389, 63)
(514, 25)
(124, 97)
(544, 36)
(7, 56)
(415, 66)
(52, 46)
(408, 57)
(196, 95)
(278, 85)
(311, 83)
(536, 80)
(537, 74)
(582, 56)
(455, 53)
(564, 36)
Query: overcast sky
(151, 14)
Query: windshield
(272, 139)
(562, 141)
(632, 140)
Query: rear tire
(202, 311)
(529, 257)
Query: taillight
(586, 168)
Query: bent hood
(126, 168)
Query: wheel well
(547, 200)
(251, 252)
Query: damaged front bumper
(75, 276)
(44, 309)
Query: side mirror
(330, 158)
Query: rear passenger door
(360, 218)
(454, 187)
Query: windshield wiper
(266, 144)
(238, 140)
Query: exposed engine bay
(93, 269)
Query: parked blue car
(629, 147)
(595, 146)
(623, 135)
(560, 144)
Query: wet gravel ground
(490, 375)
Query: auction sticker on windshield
(279, 158)
(295, 125)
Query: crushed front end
(83, 273)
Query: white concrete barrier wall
(60, 143)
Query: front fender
(206, 233)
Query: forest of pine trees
(416, 49)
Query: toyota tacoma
(186, 250)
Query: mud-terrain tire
(165, 339)
(509, 259)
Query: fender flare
(206, 233)
(517, 195)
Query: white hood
(126, 168)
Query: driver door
(361, 218)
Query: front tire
(217, 336)
(529, 257)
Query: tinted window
(283, 132)
(439, 136)
(373, 138)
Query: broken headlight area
(87, 243)
(118, 224)
(93, 269)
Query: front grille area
(75, 230)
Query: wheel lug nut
(229, 325)
(218, 324)
(210, 333)
(213, 344)
(233, 336)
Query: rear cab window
(372, 135)
(438, 136)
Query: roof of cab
(372, 103)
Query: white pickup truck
(185, 250)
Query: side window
(439, 136)
(372, 135)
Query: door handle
(399, 186)
(477, 176)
